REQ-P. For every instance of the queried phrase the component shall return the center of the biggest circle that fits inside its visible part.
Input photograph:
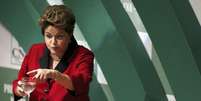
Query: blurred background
(145, 50)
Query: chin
(53, 52)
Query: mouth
(54, 48)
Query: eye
(60, 37)
(48, 36)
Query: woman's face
(56, 40)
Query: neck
(55, 57)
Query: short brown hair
(59, 16)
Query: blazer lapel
(63, 64)
(45, 59)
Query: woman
(62, 69)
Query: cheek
(46, 42)
(64, 43)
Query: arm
(78, 81)
(82, 77)
(42, 75)
(18, 93)
(63, 79)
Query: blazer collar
(63, 64)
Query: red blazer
(77, 63)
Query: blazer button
(46, 90)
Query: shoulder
(83, 51)
(38, 47)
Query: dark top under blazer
(77, 63)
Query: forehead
(54, 30)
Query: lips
(54, 48)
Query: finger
(44, 77)
(36, 76)
(41, 77)
(31, 72)
(21, 91)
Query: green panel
(160, 70)
(6, 78)
(96, 92)
(175, 55)
(20, 18)
(154, 92)
(190, 27)
(118, 49)
(38, 5)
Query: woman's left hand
(42, 74)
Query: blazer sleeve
(21, 73)
(83, 75)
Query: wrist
(54, 74)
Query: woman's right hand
(19, 91)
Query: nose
(54, 41)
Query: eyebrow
(58, 33)
(48, 32)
